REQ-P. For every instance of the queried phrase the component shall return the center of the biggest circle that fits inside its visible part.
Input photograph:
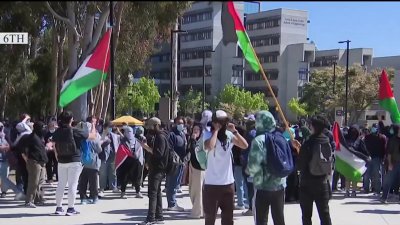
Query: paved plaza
(112, 210)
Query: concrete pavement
(363, 210)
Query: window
(324, 61)
(195, 36)
(193, 72)
(197, 17)
(263, 24)
(303, 74)
(266, 40)
(162, 75)
(300, 92)
(237, 71)
(271, 75)
(269, 58)
(264, 90)
(195, 53)
(184, 89)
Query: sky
(367, 24)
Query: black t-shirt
(34, 147)
(79, 136)
(192, 149)
(159, 145)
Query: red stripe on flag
(385, 90)
(122, 153)
(100, 59)
(236, 19)
(336, 135)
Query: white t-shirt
(219, 162)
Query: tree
(363, 91)
(191, 103)
(144, 97)
(238, 102)
(300, 109)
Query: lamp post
(204, 77)
(347, 79)
(334, 76)
(130, 97)
(173, 62)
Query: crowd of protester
(225, 163)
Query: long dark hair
(222, 132)
(197, 124)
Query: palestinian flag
(386, 98)
(90, 74)
(348, 162)
(233, 30)
(122, 153)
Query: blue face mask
(109, 130)
(180, 127)
(391, 131)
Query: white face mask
(180, 127)
(52, 130)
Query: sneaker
(59, 211)
(179, 191)
(353, 194)
(94, 201)
(115, 190)
(123, 196)
(72, 212)
(161, 221)
(164, 190)
(347, 194)
(101, 194)
(84, 201)
(383, 201)
(247, 213)
(19, 196)
(139, 195)
(176, 208)
(147, 222)
(3, 195)
(239, 207)
(30, 205)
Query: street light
(347, 79)
(130, 97)
(179, 31)
(204, 77)
(334, 76)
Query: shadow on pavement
(379, 211)
(21, 215)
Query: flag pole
(112, 75)
(273, 95)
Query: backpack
(87, 153)
(172, 159)
(279, 155)
(65, 142)
(321, 159)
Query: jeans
(171, 185)
(180, 176)
(218, 196)
(6, 183)
(391, 177)
(68, 173)
(36, 176)
(155, 196)
(51, 166)
(239, 184)
(250, 190)
(374, 174)
(265, 199)
(320, 193)
(108, 175)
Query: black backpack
(65, 142)
(321, 159)
(172, 159)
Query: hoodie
(262, 178)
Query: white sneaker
(115, 190)
(101, 194)
(139, 195)
(19, 196)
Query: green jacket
(262, 179)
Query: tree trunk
(79, 106)
(88, 35)
(4, 100)
(61, 69)
(53, 80)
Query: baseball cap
(152, 122)
(221, 114)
